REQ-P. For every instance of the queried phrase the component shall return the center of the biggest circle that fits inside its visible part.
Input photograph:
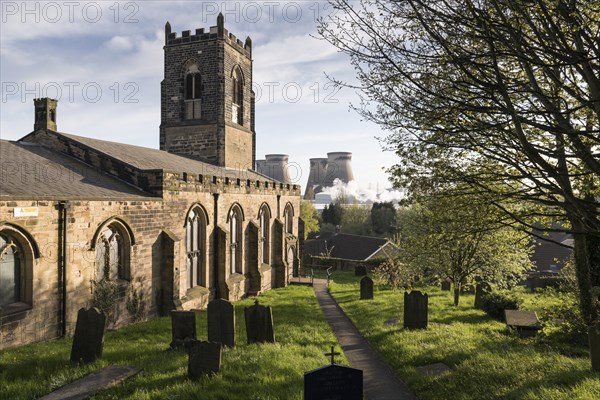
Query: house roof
(145, 158)
(346, 246)
(548, 253)
(34, 171)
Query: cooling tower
(318, 168)
(276, 167)
(261, 167)
(339, 166)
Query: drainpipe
(216, 246)
(62, 207)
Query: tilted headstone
(360, 270)
(366, 288)
(446, 286)
(415, 310)
(525, 322)
(594, 338)
(333, 382)
(221, 322)
(89, 336)
(259, 324)
(480, 290)
(204, 359)
(183, 328)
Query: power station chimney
(316, 176)
(275, 167)
(339, 166)
(261, 167)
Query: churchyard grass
(487, 360)
(265, 371)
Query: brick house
(173, 227)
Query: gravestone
(204, 359)
(525, 322)
(259, 324)
(480, 290)
(183, 328)
(434, 369)
(415, 310)
(89, 336)
(366, 288)
(446, 286)
(221, 322)
(360, 270)
(391, 321)
(594, 338)
(333, 382)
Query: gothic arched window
(11, 270)
(237, 96)
(112, 253)
(195, 244)
(288, 216)
(265, 230)
(193, 93)
(235, 234)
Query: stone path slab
(88, 385)
(379, 381)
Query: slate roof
(345, 246)
(145, 158)
(548, 253)
(32, 171)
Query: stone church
(171, 228)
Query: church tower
(207, 103)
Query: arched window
(235, 234)
(195, 244)
(193, 93)
(237, 96)
(112, 252)
(11, 270)
(265, 230)
(288, 216)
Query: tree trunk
(457, 288)
(582, 268)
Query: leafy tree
(460, 239)
(356, 220)
(500, 95)
(332, 214)
(310, 216)
(383, 218)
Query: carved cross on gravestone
(332, 354)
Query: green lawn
(488, 362)
(265, 371)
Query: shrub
(495, 303)
(104, 298)
(395, 275)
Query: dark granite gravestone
(525, 322)
(221, 322)
(204, 359)
(183, 328)
(366, 288)
(446, 286)
(333, 382)
(360, 270)
(89, 336)
(415, 310)
(480, 290)
(594, 338)
(259, 324)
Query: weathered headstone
(594, 338)
(259, 324)
(525, 322)
(183, 328)
(366, 288)
(415, 310)
(89, 336)
(446, 286)
(434, 369)
(480, 290)
(391, 321)
(333, 382)
(360, 270)
(221, 322)
(204, 359)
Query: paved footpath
(378, 380)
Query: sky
(103, 60)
